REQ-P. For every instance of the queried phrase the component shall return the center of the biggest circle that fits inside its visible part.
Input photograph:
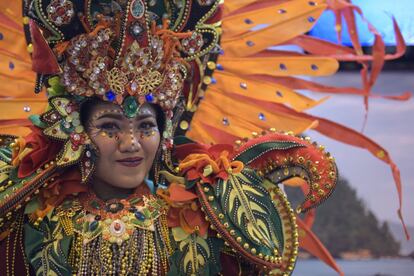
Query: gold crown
(154, 73)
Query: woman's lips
(130, 162)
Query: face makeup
(127, 145)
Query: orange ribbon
(221, 163)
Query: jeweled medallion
(60, 12)
(137, 9)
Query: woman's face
(127, 146)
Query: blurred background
(361, 227)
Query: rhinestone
(312, 3)
(95, 85)
(226, 121)
(110, 95)
(88, 154)
(184, 125)
(53, 117)
(207, 80)
(79, 129)
(250, 43)
(262, 116)
(134, 86)
(140, 216)
(75, 61)
(26, 109)
(311, 19)
(243, 85)
(248, 21)
(281, 11)
(11, 65)
(278, 93)
(149, 98)
(72, 87)
(117, 227)
(314, 67)
(94, 224)
(282, 66)
(76, 122)
(136, 29)
(211, 65)
(219, 67)
(51, 9)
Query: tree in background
(345, 224)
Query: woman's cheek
(105, 145)
(154, 143)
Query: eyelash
(147, 125)
(109, 126)
(114, 127)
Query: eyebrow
(119, 117)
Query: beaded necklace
(118, 237)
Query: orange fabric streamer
(354, 138)
(204, 160)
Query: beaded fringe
(145, 253)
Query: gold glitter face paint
(126, 146)
(111, 130)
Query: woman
(114, 223)
(116, 226)
(100, 187)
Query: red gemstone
(60, 11)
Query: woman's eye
(109, 126)
(147, 125)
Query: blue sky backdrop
(379, 13)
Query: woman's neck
(105, 191)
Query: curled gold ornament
(116, 80)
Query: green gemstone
(94, 204)
(130, 107)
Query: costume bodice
(221, 209)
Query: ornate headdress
(125, 52)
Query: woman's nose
(129, 142)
